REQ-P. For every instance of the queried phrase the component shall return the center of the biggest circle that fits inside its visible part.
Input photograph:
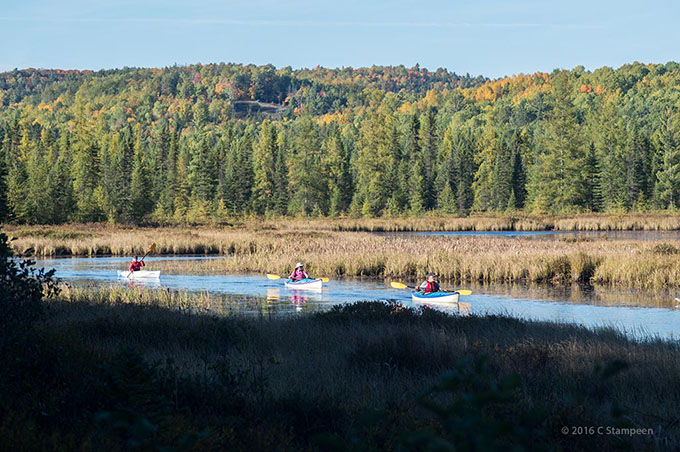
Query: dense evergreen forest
(210, 142)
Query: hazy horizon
(493, 39)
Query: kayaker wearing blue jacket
(430, 285)
(299, 273)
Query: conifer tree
(668, 185)
(265, 154)
(557, 182)
(592, 181)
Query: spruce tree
(464, 169)
(265, 153)
(668, 185)
(557, 180)
(339, 180)
(592, 181)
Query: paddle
(150, 250)
(398, 285)
(273, 276)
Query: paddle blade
(151, 248)
(324, 279)
(272, 276)
(464, 292)
(398, 285)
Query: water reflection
(552, 235)
(634, 311)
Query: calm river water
(636, 313)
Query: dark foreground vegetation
(108, 375)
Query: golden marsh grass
(327, 251)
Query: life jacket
(135, 266)
(297, 275)
(431, 286)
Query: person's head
(431, 276)
(136, 258)
(299, 266)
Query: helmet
(298, 265)
(431, 274)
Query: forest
(206, 143)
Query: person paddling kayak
(299, 273)
(136, 264)
(430, 285)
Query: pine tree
(501, 186)
(444, 173)
(428, 146)
(182, 191)
(202, 172)
(668, 185)
(17, 191)
(464, 169)
(637, 167)
(168, 184)
(417, 199)
(86, 176)
(60, 190)
(140, 202)
(447, 201)
(37, 202)
(519, 147)
(491, 144)
(339, 180)
(281, 178)
(592, 182)
(265, 153)
(612, 149)
(557, 180)
(308, 184)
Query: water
(610, 235)
(638, 314)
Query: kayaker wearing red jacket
(136, 264)
(299, 273)
(430, 285)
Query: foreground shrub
(22, 288)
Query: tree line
(168, 145)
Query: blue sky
(492, 38)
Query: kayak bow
(306, 284)
(141, 274)
(435, 297)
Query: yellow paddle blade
(324, 279)
(398, 285)
(272, 276)
(464, 292)
(152, 248)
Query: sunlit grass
(274, 247)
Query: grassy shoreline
(361, 374)
(639, 264)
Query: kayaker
(136, 264)
(430, 285)
(299, 273)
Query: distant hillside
(206, 142)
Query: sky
(493, 38)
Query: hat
(431, 274)
(299, 264)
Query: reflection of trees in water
(600, 295)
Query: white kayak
(306, 284)
(140, 274)
(435, 297)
